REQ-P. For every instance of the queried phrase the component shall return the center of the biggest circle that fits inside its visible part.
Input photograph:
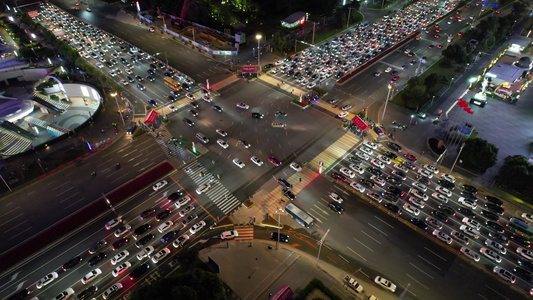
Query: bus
(173, 84)
(518, 226)
(299, 215)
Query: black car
(423, 179)
(419, 223)
(257, 115)
(152, 102)
(188, 122)
(129, 79)
(390, 196)
(87, 293)
(393, 181)
(447, 184)
(217, 108)
(399, 174)
(141, 229)
(369, 183)
(193, 112)
(171, 98)
(150, 78)
(470, 189)
(375, 171)
(494, 200)
(336, 207)
(440, 215)
(145, 214)
(280, 114)
(97, 258)
(524, 273)
(72, 263)
(186, 87)
(284, 183)
(393, 208)
(175, 196)
(495, 226)
(282, 237)
(151, 71)
(145, 239)
(522, 241)
(448, 210)
(469, 195)
(168, 236)
(141, 87)
(287, 193)
(100, 245)
(467, 212)
(490, 215)
(525, 263)
(137, 272)
(139, 78)
(116, 245)
(355, 160)
(189, 219)
(193, 104)
(20, 295)
(395, 147)
(500, 238)
(162, 215)
(391, 155)
(394, 190)
(495, 208)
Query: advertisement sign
(250, 69)
(150, 118)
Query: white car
(375, 196)
(91, 276)
(172, 108)
(46, 280)
(490, 254)
(470, 254)
(121, 269)
(296, 167)
(362, 155)
(384, 159)
(221, 132)
(472, 223)
(443, 191)
(357, 168)
(417, 201)
(160, 255)
(112, 290)
(440, 197)
(229, 234)
(425, 173)
(470, 231)
(119, 257)
(401, 168)
(145, 252)
(525, 253)
(180, 241)
(99, 65)
(419, 194)
(239, 163)
(496, 246)
(336, 197)
(256, 160)
(504, 274)
(222, 143)
(165, 226)
(384, 283)
(113, 223)
(124, 82)
(378, 180)
(207, 98)
(467, 202)
(342, 114)
(243, 105)
(128, 71)
(420, 186)
(347, 172)
(410, 208)
(387, 70)
(431, 169)
(357, 186)
(527, 216)
(448, 177)
(442, 236)
(366, 150)
(159, 185)
(112, 73)
(190, 96)
(181, 202)
(64, 294)
(196, 227)
(122, 230)
(370, 145)
(377, 163)
(203, 188)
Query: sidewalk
(255, 272)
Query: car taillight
(131, 278)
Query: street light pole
(279, 226)
(386, 102)
(320, 247)
(313, 40)
(258, 37)
(349, 12)
(119, 110)
(458, 154)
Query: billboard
(150, 118)
(250, 69)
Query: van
(278, 125)
(202, 138)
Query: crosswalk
(162, 136)
(217, 193)
(335, 151)
(246, 233)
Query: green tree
(455, 53)
(479, 155)
(415, 96)
(279, 41)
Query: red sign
(250, 69)
(360, 123)
(150, 118)
(284, 293)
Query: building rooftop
(505, 72)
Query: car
(472, 223)
(159, 185)
(85, 294)
(448, 177)
(150, 78)
(434, 222)
(419, 194)
(390, 155)
(91, 276)
(495, 226)
(96, 259)
(338, 176)
(423, 179)
(377, 163)
(122, 230)
(524, 273)
(369, 183)
(217, 108)
(469, 188)
(71, 263)
(46, 280)
(384, 159)
(141, 87)
(206, 98)
(137, 272)
(419, 186)
(112, 290)
(238, 163)
(490, 254)
(186, 210)
(380, 181)
(357, 168)
(373, 146)
(442, 236)
(526, 264)
(256, 160)
(124, 82)
(444, 191)
(448, 210)
(497, 236)
(145, 252)
(419, 223)
(401, 167)
(140, 230)
(362, 155)
(333, 101)
(296, 167)
(336, 207)
(20, 295)
(375, 196)
(196, 227)
(394, 147)
(175, 195)
(168, 236)
(162, 215)
(497, 246)
(221, 132)
(113, 223)
(179, 242)
(447, 184)
(499, 202)
(119, 243)
(357, 186)
(145, 239)
(460, 236)
(189, 219)
(525, 252)
(99, 65)
(470, 254)
(222, 143)
(346, 107)
(193, 113)
(280, 113)
(190, 96)
(119, 257)
(387, 70)
(203, 188)
(425, 173)
(129, 79)
(374, 171)
(378, 130)
(440, 197)
(284, 183)
(468, 195)
(257, 115)
(412, 209)
(504, 274)
(172, 108)
(520, 240)
(495, 208)
(347, 172)
(384, 283)
(343, 114)
(68, 292)
(467, 212)
(393, 208)
(467, 202)
(245, 144)
(242, 105)
(377, 73)
(281, 237)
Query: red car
(439, 46)
(410, 157)
(437, 36)
(338, 176)
(395, 78)
(274, 161)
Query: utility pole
(320, 246)
(458, 154)
(349, 12)
(295, 41)
(279, 226)
(313, 40)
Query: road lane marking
(363, 244)
(356, 253)
(15, 226)
(496, 292)
(429, 262)
(73, 203)
(73, 195)
(344, 258)
(371, 237)
(435, 254)
(14, 236)
(377, 229)
(416, 282)
(384, 222)
(420, 270)
(66, 191)
(11, 219)
(9, 212)
(59, 186)
(482, 296)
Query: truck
(353, 284)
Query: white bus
(299, 215)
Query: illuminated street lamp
(258, 37)
(472, 81)
(386, 102)
(411, 121)
(119, 110)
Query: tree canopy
(479, 155)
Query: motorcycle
(93, 173)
